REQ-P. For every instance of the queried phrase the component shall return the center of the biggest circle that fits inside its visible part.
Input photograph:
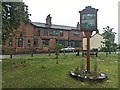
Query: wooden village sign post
(88, 24)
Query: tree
(118, 47)
(58, 47)
(114, 47)
(109, 38)
(13, 13)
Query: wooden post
(49, 51)
(88, 35)
(88, 54)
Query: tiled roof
(38, 24)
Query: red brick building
(39, 37)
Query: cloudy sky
(66, 12)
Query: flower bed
(89, 76)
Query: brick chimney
(78, 26)
(48, 20)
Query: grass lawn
(52, 75)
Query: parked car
(68, 49)
(92, 52)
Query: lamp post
(88, 24)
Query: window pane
(76, 33)
(53, 33)
(61, 33)
(20, 42)
(75, 43)
(28, 43)
(63, 42)
(45, 32)
(35, 42)
(45, 42)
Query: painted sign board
(88, 19)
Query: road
(28, 55)
(40, 54)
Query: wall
(95, 42)
(29, 32)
